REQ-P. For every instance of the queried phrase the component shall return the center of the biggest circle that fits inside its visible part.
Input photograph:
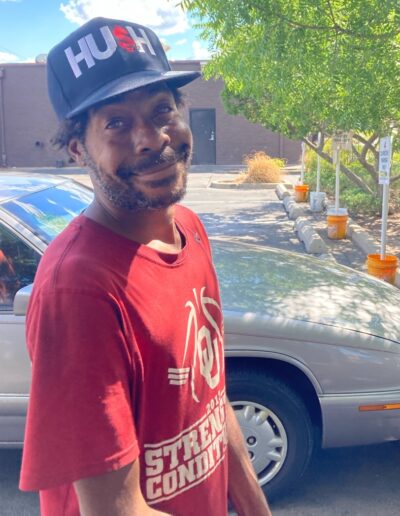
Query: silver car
(313, 348)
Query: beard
(121, 191)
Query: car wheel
(276, 426)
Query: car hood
(285, 285)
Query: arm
(244, 490)
(116, 493)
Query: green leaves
(302, 66)
(299, 66)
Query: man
(128, 414)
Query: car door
(18, 264)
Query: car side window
(18, 264)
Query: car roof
(17, 184)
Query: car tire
(276, 425)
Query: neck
(154, 228)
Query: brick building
(27, 122)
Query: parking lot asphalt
(359, 481)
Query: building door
(202, 124)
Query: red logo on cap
(124, 39)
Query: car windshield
(49, 211)
(285, 285)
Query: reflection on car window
(49, 211)
(22, 185)
(18, 264)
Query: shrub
(261, 168)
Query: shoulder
(188, 218)
(184, 213)
(192, 226)
(74, 258)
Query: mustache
(155, 159)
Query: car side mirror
(21, 300)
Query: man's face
(138, 151)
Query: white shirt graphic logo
(208, 355)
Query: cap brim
(132, 82)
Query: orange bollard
(301, 193)
(384, 269)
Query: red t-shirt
(127, 361)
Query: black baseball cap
(104, 58)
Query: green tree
(303, 66)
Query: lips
(155, 163)
(128, 173)
(156, 169)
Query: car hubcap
(265, 438)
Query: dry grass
(261, 168)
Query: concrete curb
(362, 239)
(227, 183)
(314, 243)
(281, 191)
(368, 245)
(292, 208)
(310, 238)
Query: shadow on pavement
(265, 225)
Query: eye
(115, 123)
(164, 109)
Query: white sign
(342, 140)
(385, 157)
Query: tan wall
(28, 122)
(235, 136)
(28, 117)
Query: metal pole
(318, 164)
(385, 158)
(337, 183)
(303, 151)
(385, 211)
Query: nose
(148, 137)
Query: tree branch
(369, 141)
(337, 28)
(362, 159)
(302, 25)
(332, 13)
(368, 144)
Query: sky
(29, 28)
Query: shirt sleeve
(80, 421)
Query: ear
(77, 151)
